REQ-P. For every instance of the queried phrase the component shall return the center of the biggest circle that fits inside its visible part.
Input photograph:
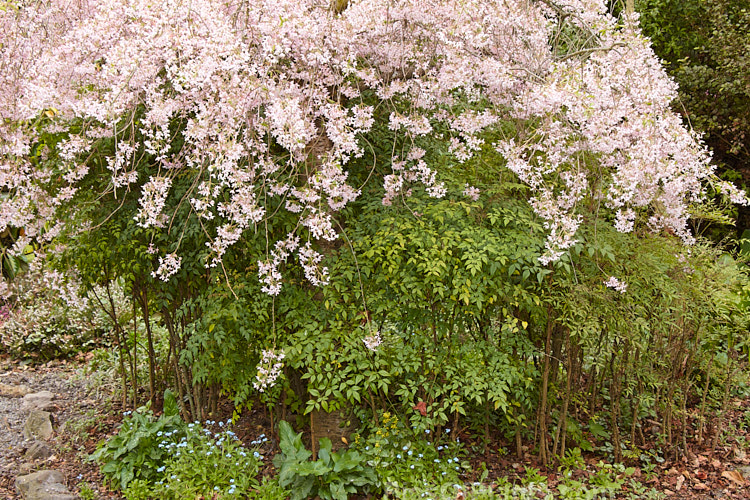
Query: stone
(39, 450)
(25, 468)
(44, 485)
(38, 425)
(38, 401)
(14, 391)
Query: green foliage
(706, 44)
(404, 457)
(134, 452)
(204, 464)
(334, 475)
(12, 263)
(164, 457)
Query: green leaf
(170, 404)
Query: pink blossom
(270, 98)
(268, 369)
(616, 284)
(168, 266)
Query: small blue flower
(161, 469)
(216, 488)
(411, 466)
(447, 431)
(398, 456)
(427, 431)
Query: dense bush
(473, 215)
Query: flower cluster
(269, 369)
(402, 456)
(616, 284)
(373, 341)
(168, 265)
(197, 459)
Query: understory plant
(333, 476)
(167, 458)
(405, 457)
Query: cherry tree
(270, 100)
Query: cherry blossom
(271, 101)
(269, 368)
(616, 284)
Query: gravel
(70, 400)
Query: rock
(38, 401)
(38, 425)
(44, 485)
(39, 450)
(25, 468)
(14, 391)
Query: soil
(84, 414)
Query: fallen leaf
(715, 463)
(733, 475)
(700, 487)
(678, 484)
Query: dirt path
(72, 404)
